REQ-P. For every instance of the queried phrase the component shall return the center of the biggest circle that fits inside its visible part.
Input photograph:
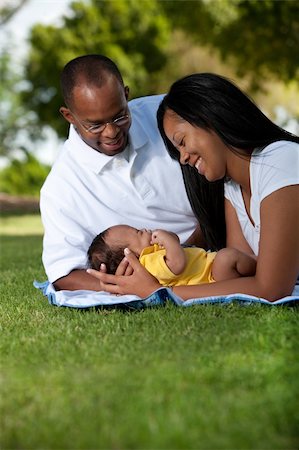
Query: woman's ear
(127, 90)
(66, 113)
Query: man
(113, 169)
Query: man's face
(92, 107)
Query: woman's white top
(274, 167)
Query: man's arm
(78, 279)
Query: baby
(161, 253)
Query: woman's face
(199, 148)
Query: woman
(220, 134)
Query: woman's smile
(198, 147)
(197, 165)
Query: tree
(9, 8)
(15, 118)
(133, 33)
(262, 36)
(23, 177)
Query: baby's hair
(100, 252)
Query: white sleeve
(65, 240)
(274, 168)
(279, 168)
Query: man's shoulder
(150, 102)
(60, 170)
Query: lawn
(204, 377)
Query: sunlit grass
(21, 225)
(206, 377)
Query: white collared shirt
(87, 191)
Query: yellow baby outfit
(198, 269)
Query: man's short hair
(92, 69)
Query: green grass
(16, 225)
(206, 377)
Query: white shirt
(275, 167)
(87, 191)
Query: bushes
(23, 177)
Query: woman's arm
(277, 262)
(234, 235)
(278, 259)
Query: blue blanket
(88, 299)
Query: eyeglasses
(100, 127)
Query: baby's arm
(175, 257)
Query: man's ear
(127, 90)
(66, 113)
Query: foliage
(262, 36)
(9, 8)
(132, 33)
(207, 377)
(23, 177)
(258, 38)
(18, 123)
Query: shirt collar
(137, 135)
(96, 161)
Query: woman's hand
(130, 278)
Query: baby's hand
(163, 237)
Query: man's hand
(78, 279)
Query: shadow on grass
(17, 205)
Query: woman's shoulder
(276, 157)
(278, 148)
(277, 153)
(274, 167)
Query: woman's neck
(238, 169)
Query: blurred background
(255, 43)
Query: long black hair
(212, 102)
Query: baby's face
(126, 236)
